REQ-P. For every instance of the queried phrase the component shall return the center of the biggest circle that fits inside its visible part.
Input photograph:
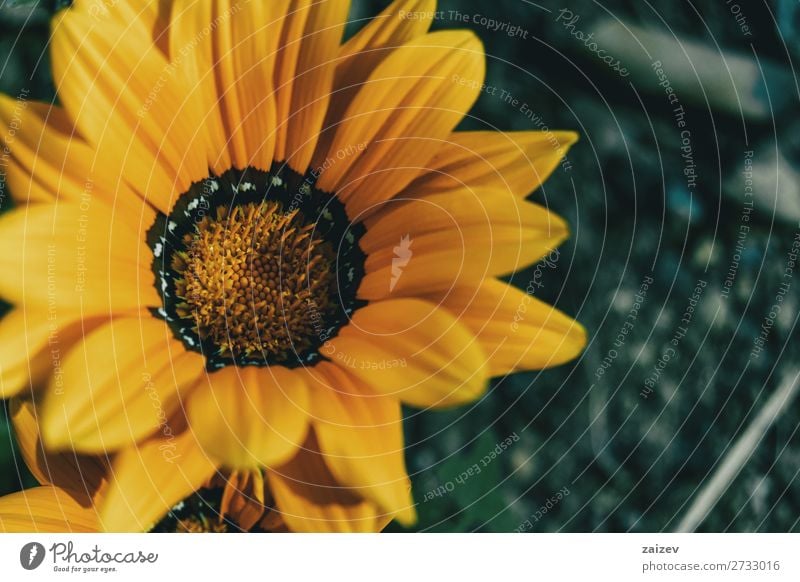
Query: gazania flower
(241, 245)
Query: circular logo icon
(31, 555)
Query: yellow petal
(231, 69)
(192, 53)
(310, 500)
(360, 434)
(144, 16)
(451, 238)
(49, 161)
(121, 384)
(32, 343)
(243, 498)
(305, 65)
(69, 257)
(250, 416)
(396, 123)
(411, 350)
(517, 331)
(127, 100)
(65, 470)
(400, 22)
(147, 480)
(47, 510)
(359, 56)
(517, 162)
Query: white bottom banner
(390, 557)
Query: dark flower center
(256, 268)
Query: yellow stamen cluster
(251, 279)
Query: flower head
(241, 245)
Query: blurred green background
(585, 451)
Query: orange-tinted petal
(49, 161)
(192, 51)
(305, 65)
(147, 480)
(68, 471)
(310, 500)
(231, 69)
(47, 510)
(121, 384)
(243, 498)
(360, 433)
(144, 17)
(396, 123)
(450, 238)
(516, 162)
(400, 22)
(250, 416)
(412, 350)
(33, 342)
(517, 331)
(126, 99)
(70, 257)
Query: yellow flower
(240, 245)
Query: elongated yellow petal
(401, 22)
(250, 416)
(230, 65)
(516, 162)
(305, 65)
(69, 471)
(49, 161)
(147, 480)
(47, 510)
(453, 238)
(121, 384)
(126, 99)
(33, 341)
(360, 434)
(412, 350)
(517, 331)
(396, 123)
(141, 17)
(192, 50)
(310, 500)
(70, 257)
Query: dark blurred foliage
(628, 462)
